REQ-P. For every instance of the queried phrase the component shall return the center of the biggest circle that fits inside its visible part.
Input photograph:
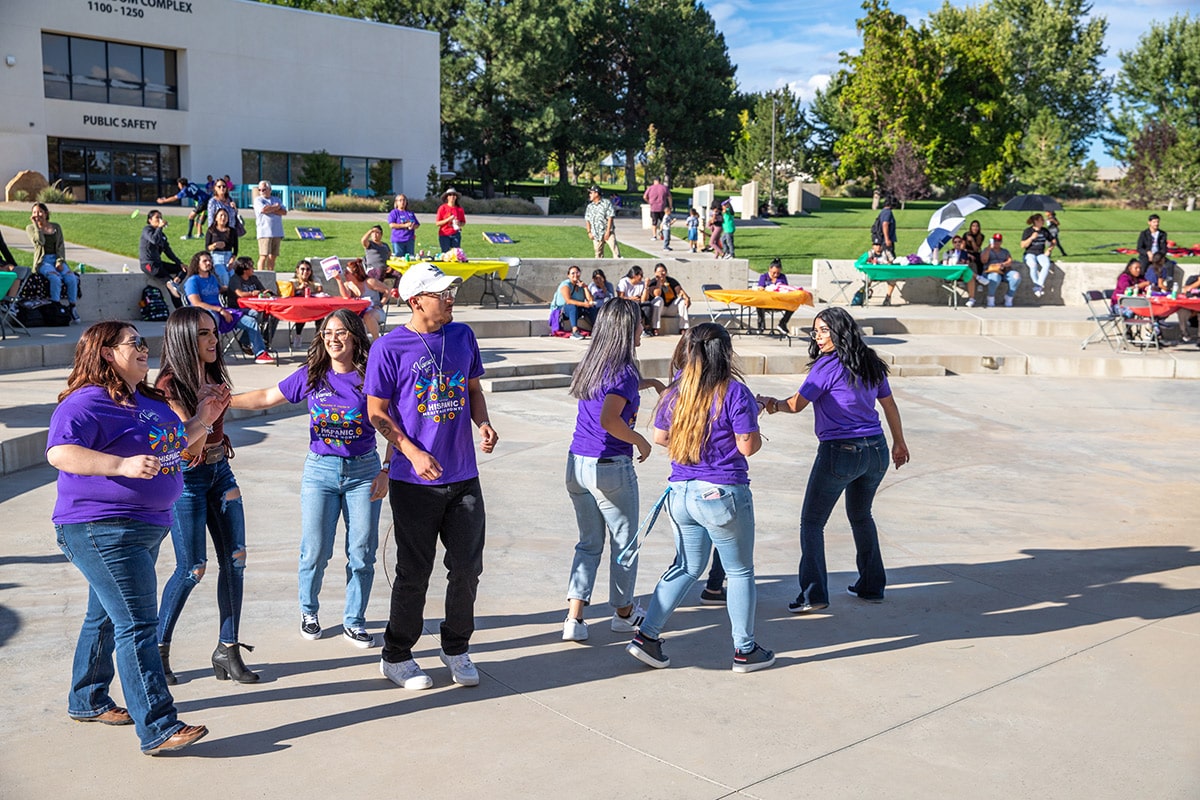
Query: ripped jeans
(204, 504)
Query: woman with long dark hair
(342, 474)
(119, 448)
(600, 476)
(50, 257)
(191, 365)
(354, 281)
(844, 382)
(708, 421)
(221, 241)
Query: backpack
(153, 307)
(877, 231)
(40, 312)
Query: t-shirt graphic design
(441, 398)
(336, 426)
(168, 443)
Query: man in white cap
(423, 394)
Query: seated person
(353, 281)
(375, 258)
(959, 255)
(633, 287)
(303, 282)
(152, 247)
(575, 301)
(1160, 274)
(1189, 321)
(9, 264)
(203, 290)
(1129, 282)
(667, 298)
(244, 283)
(774, 277)
(602, 291)
(997, 266)
(878, 255)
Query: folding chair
(727, 315)
(8, 307)
(1108, 323)
(1139, 331)
(842, 282)
(508, 284)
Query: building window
(286, 169)
(74, 68)
(113, 172)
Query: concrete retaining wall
(1064, 287)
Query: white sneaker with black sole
(310, 627)
(628, 624)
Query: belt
(214, 455)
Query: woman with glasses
(191, 367)
(354, 281)
(403, 224)
(708, 420)
(342, 475)
(844, 382)
(119, 450)
(222, 200)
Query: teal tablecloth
(902, 271)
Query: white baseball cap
(422, 278)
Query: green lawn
(841, 229)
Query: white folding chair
(1108, 324)
(842, 283)
(727, 315)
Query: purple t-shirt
(89, 418)
(842, 408)
(591, 439)
(425, 384)
(764, 280)
(337, 413)
(399, 216)
(720, 460)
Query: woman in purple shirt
(708, 420)
(845, 381)
(342, 474)
(119, 450)
(600, 476)
(403, 224)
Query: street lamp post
(771, 200)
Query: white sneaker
(631, 623)
(574, 630)
(971, 302)
(1008, 302)
(991, 303)
(462, 671)
(405, 674)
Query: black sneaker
(648, 651)
(358, 637)
(802, 606)
(310, 627)
(712, 597)
(868, 598)
(754, 660)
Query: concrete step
(525, 383)
(919, 371)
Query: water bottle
(125, 269)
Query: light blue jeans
(605, 496)
(57, 278)
(116, 556)
(706, 515)
(1039, 268)
(221, 259)
(993, 282)
(335, 487)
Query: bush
(322, 169)
(500, 205)
(346, 202)
(56, 194)
(381, 178)
(20, 196)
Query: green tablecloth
(904, 271)
(7, 279)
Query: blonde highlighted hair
(704, 360)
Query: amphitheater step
(524, 383)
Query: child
(693, 226)
(727, 228)
(665, 226)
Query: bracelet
(485, 422)
(207, 428)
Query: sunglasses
(137, 343)
(444, 295)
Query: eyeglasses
(137, 343)
(339, 333)
(818, 332)
(444, 295)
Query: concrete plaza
(1039, 638)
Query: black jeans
(421, 515)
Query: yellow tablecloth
(462, 269)
(760, 298)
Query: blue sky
(797, 43)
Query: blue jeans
(248, 332)
(336, 487)
(856, 467)
(404, 248)
(203, 504)
(605, 496)
(221, 259)
(1039, 268)
(57, 279)
(993, 282)
(706, 515)
(450, 242)
(576, 313)
(727, 243)
(117, 557)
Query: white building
(119, 97)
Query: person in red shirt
(450, 219)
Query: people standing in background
(727, 228)
(192, 195)
(403, 225)
(973, 243)
(1052, 228)
(1151, 241)
(269, 212)
(599, 220)
(50, 257)
(658, 197)
(693, 228)
(715, 224)
(221, 243)
(450, 221)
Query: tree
(793, 130)
(381, 178)
(904, 178)
(321, 169)
(1163, 164)
(1159, 80)
(1047, 164)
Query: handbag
(239, 227)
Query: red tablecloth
(302, 309)
(1165, 306)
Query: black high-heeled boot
(227, 663)
(164, 652)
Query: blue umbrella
(935, 240)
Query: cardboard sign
(331, 266)
(497, 237)
(310, 233)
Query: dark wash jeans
(856, 467)
(421, 515)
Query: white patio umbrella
(960, 209)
